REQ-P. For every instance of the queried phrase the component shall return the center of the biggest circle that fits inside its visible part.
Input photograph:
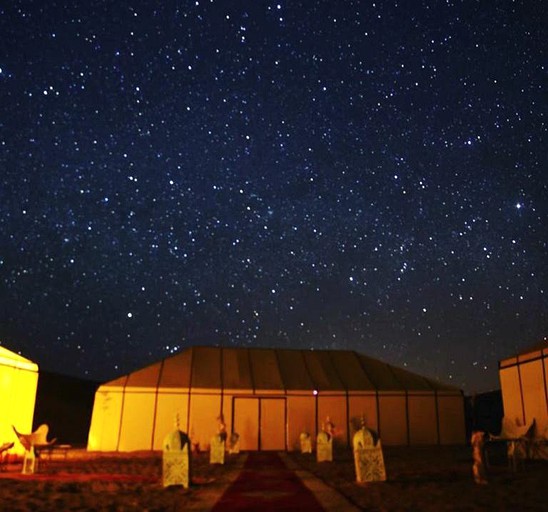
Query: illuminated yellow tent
(18, 382)
(270, 396)
(524, 385)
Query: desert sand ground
(435, 479)
(427, 479)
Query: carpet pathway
(267, 485)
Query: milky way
(323, 174)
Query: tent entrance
(260, 422)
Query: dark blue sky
(348, 175)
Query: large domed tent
(524, 385)
(18, 382)
(270, 396)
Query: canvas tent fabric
(524, 385)
(269, 397)
(18, 383)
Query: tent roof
(9, 358)
(533, 352)
(275, 370)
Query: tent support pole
(437, 406)
(156, 404)
(544, 379)
(377, 400)
(221, 412)
(316, 415)
(407, 423)
(521, 393)
(348, 440)
(189, 393)
(121, 414)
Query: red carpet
(266, 485)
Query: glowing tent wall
(524, 385)
(18, 382)
(270, 396)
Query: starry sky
(317, 174)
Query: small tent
(269, 397)
(524, 385)
(18, 382)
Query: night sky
(305, 174)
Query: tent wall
(171, 409)
(19, 395)
(511, 393)
(18, 384)
(246, 422)
(451, 419)
(393, 419)
(333, 407)
(137, 421)
(104, 431)
(204, 410)
(272, 422)
(534, 391)
(524, 386)
(269, 397)
(17, 399)
(545, 375)
(132, 421)
(423, 427)
(301, 417)
(363, 407)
